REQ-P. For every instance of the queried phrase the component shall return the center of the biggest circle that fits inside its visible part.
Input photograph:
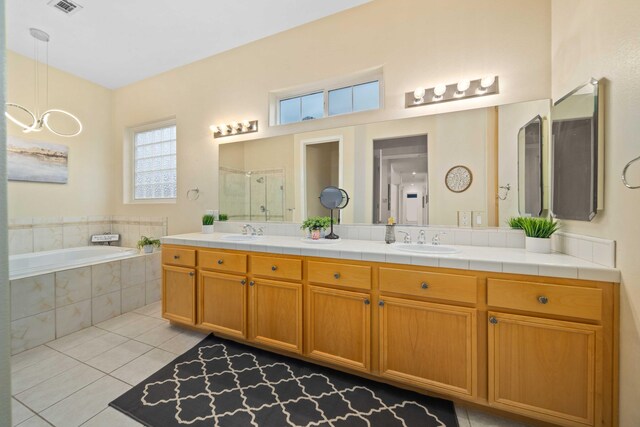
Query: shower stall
(256, 195)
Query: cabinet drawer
(223, 261)
(543, 298)
(179, 256)
(277, 268)
(451, 287)
(353, 276)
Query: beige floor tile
(35, 421)
(19, 412)
(31, 357)
(94, 347)
(35, 374)
(111, 418)
(53, 390)
(70, 341)
(120, 321)
(182, 342)
(159, 334)
(139, 369)
(153, 310)
(133, 329)
(85, 403)
(483, 419)
(118, 356)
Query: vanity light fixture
(40, 121)
(235, 128)
(463, 89)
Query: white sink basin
(239, 238)
(427, 249)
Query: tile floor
(70, 381)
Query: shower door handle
(388, 197)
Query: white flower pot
(148, 249)
(207, 229)
(538, 245)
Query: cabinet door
(338, 327)
(223, 303)
(179, 294)
(545, 369)
(276, 314)
(428, 345)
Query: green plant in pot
(515, 222)
(207, 223)
(223, 217)
(538, 233)
(148, 243)
(315, 225)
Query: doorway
(322, 169)
(401, 182)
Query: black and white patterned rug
(224, 383)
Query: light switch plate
(464, 219)
(479, 219)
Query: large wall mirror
(400, 168)
(577, 154)
(530, 168)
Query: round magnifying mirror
(331, 197)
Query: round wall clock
(458, 178)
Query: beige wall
(89, 190)
(599, 38)
(322, 170)
(462, 39)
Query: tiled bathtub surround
(49, 233)
(53, 305)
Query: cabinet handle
(176, 257)
(220, 262)
(243, 281)
(191, 274)
(367, 302)
(493, 320)
(336, 275)
(381, 303)
(274, 267)
(251, 283)
(543, 300)
(424, 285)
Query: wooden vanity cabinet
(179, 294)
(222, 303)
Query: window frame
(130, 162)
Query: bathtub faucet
(105, 238)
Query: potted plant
(207, 223)
(538, 233)
(148, 243)
(515, 222)
(223, 217)
(315, 225)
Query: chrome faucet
(246, 228)
(260, 231)
(407, 236)
(422, 239)
(436, 239)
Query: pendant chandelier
(41, 121)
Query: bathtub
(36, 263)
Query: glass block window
(300, 108)
(352, 99)
(155, 164)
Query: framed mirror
(577, 154)
(530, 168)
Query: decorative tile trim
(593, 249)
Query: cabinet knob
(274, 267)
(176, 257)
(243, 281)
(424, 285)
(251, 283)
(220, 262)
(367, 302)
(381, 303)
(542, 299)
(493, 320)
(191, 274)
(336, 275)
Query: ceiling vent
(67, 7)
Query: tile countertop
(502, 260)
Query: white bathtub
(37, 263)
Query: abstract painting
(36, 161)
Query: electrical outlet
(464, 219)
(479, 219)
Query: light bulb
(214, 128)
(222, 128)
(418, 94)
(439, 90)
(487, 81)
(246, 124)
(463, 85)
(235, 126)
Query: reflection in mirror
(400, 184)
(530, 168)
(577, 153)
